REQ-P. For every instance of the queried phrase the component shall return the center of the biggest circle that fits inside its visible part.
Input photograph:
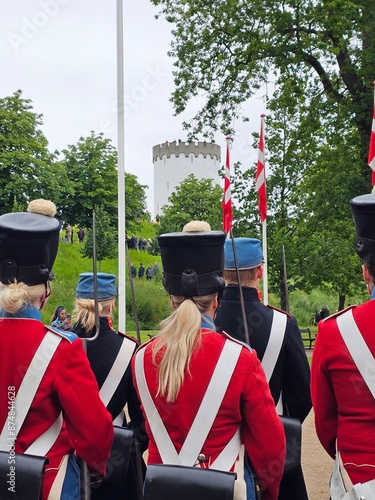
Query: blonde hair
(179, 336)
(246, 276)
(84, 311)
(17, 296)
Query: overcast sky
(62, 55)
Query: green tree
(319, 56)
(225, 51)
(105, 238)
(27, 168)
(308, 209)
(192, 199)
(135, 203)
(91, 168)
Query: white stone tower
(174, 161)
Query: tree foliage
(91, 169)
(27, 168)
(135, 203)
(105, 238)
(319, 57)
(82, 180)
(224, 51)
(193, 199)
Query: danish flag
(261, 175)
(227, 200)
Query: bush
(304, 305)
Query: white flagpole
(265, 270)
(264, 228)
(121, 168)
(261, 179)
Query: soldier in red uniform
(342, 373)
(179, 365)
(65, 419)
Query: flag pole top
(263, 115)
(228, 138)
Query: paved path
(317, 464)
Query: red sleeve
(262, 430)
(322, 392)
(88, 422)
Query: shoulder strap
(275, 342)
(164, 444)
(273, 349)
(44, 443)
(205, 416)
(357, 348)
(117, 371)
(29, 385)
(211, 402)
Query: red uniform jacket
(68, 385)
(247, 402)
(343, 405)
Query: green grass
(68, 266)
(147, 230)
(70, 263)
(145, 335)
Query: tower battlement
(186, 148)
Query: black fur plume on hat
(28, 244)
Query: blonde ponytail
(179, 336)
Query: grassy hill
(70, 263)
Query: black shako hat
(28, 244)
(193, 262)
(363, 209)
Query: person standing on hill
(155, 267)
(81, 235)
(68, 233)
(290, 379)
(149, 273)
(141, 271)
(342, 373)
(133, 270)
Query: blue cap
(106, 286)
(248, 251)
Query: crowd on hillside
(69, 234)
(137, 243)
